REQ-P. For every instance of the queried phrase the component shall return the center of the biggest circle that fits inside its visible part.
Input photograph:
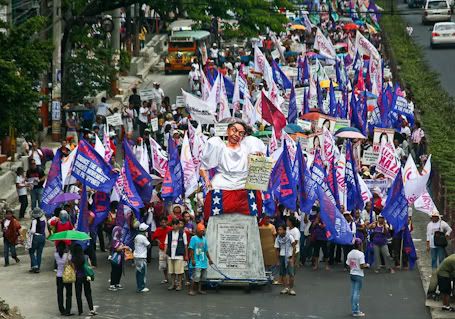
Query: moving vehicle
(443, 34)
(436, 11)
(183, 47)
(416, 3)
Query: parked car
(443, 33)
(436, 11)
(415, 3)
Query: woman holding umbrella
(116, 259)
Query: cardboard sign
(146, 94)
(268, 246)
(369, 157)
(221, 129)
(315, 142)
(154, 124)
(377, 183)
(179, 101)
(387, 161)
(259, 169)
(305, 125)
(380, 135)
(340, 123)
(114, 120)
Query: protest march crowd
(349, 166)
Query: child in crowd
(199, 255)
(285, 246)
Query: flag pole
(401, 250)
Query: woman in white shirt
(21, 187)
(61, 258)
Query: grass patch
(437, 108)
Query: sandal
(448, 308)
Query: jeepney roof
(191, 35)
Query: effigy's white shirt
(231, 165)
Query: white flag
(205, 86)
(236, 95)
(159, 157)
(425, 203)
(249, 112)
(365, 191)
(190, 173)
(387, 161)
(99, 148)
(417, 185)
(67, 166)
(144, 160)
(341, 179)
(223, 103)
(199, 109)
(324, 45)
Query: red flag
(272, 115)
(360, 82)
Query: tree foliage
(24, 56)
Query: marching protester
(285, 246)
(141, 244)
(176, 248)
(83, 278)
(199, 259)
(38, 232)
(10, 228)
(117, 259)
(356, 262)
(63, 260)
(380, 234)
(160, 236)
(438, 232)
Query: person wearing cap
(38, 230)
(176, 248)
(437, 227)
(199, 259)
(380, 233)
(214, 51)
(62, 223)
(144, 113)
(356, 263)
(141, 245)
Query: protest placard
(383, 184)
(154, 124)
(305, 125)
(114, 120)
(146, 94)
(369, 157)
(179, 101)
(387, 161)
(327, 121)
(221, 129)
(259, 169)
(340, 123)
(56, 111)
(199, 110)
(315, 142)
(382, 135)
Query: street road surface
(441, 60)
(320, 295)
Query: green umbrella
(262, 133)
(70, 235)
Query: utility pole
(115, 44)
(56, 69)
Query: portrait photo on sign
(382, 135)
(327, 122)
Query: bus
(183, 47)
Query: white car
(436, 11)
(443, 34)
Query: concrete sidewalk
(420, 221)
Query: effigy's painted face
(235, 133)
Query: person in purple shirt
(379, 236)
(318, 240)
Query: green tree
(24, 57)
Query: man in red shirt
(160, 235)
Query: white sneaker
(358, 314)
(119, 287)
(292, 292)
(112, 288)
(284, 291)
(145, 290)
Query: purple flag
(301, 177)
(101, 205)
(279, 77)
(141, 179)
(84, 213)
(396, 207)
(354, 194)
(91, 169)
(332, 100)
(173, 185)
(337, 227)
(292, 113)
(287, 193)
(53, 185)
(127, 191)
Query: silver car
(436, 11)
(443, 33)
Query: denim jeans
(356, 286)
(36, 251)
(7, 248)
(437, 256)
(141, 272)
(36, 194)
